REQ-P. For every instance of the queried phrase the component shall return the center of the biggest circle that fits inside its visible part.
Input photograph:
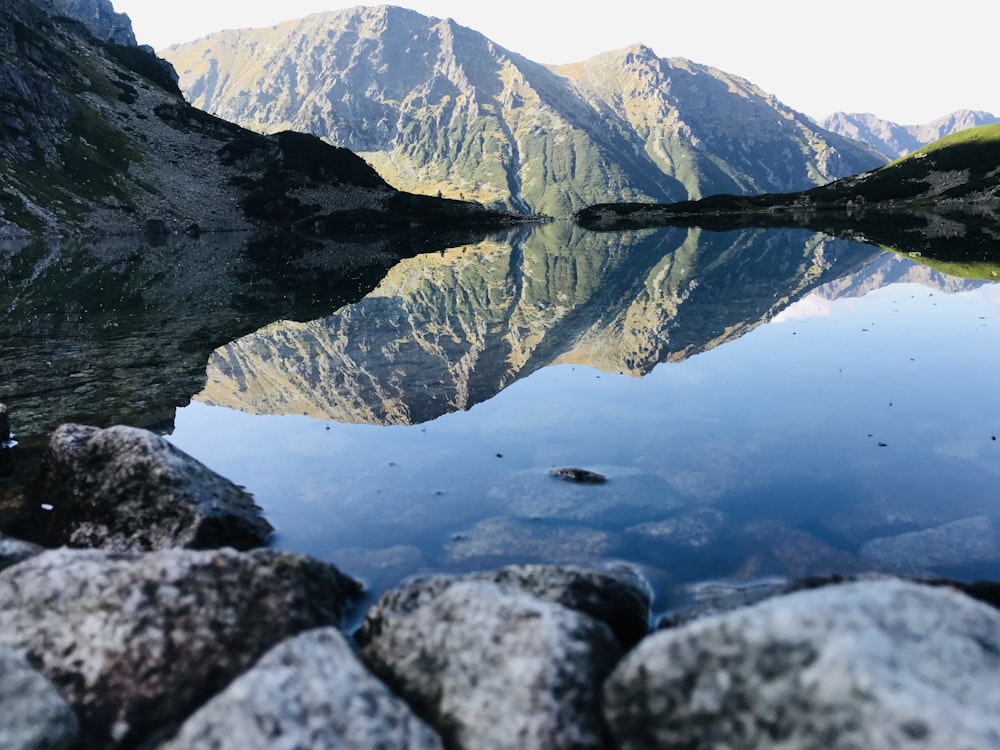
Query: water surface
(764, 404)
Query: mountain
(894, 140)
(444, 332)
(942, 201)
(435, 106)
(98, 16)
(96, 137)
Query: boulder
(34, 715)
(312, 692)
(127, 489)
(619, 598)
(873, 664)
(13, 551)
(494, 668)
(137, 641)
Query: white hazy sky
(910, 61)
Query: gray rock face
(619, 599)
(135, 642)
(13, 551)
(98, 16)
(312, 692)
(498, 669)
(127, 489)
(875, 664)
(35, 716)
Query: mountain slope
(95, 136)
(715, 132)
(434, 106)
(942, 201)
(895, 140)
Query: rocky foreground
(160, 634)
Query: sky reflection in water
(783, 453)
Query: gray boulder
(312, 692)
(13, 551)
(619, 598)
(137, 641)
(874, 664)
(33, 716)
(493, 668)
(127, 489)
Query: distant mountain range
(437, 107)
(894, 140)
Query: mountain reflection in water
(849, 434)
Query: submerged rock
(125, 489)
(693, 529)
(620, 598)
(13, 551)
(137, 641)
(34, 715)
(969, 540)
(873, 664)
(312, 692)
(497, 668)
(504, 539)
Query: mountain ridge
(895, 140)
(435, 106)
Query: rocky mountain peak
(895, 140)
(99, 16)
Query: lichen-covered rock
(873, 664)
(137, 641)
(619, 598)
(312, 692)
(13, 551)
(125, 489)
(33, 716)
(494, 668)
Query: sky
(909, 61)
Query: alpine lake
(763, 404)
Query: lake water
(764, 404)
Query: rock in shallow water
(128, 489)
(504, 539)
(494, 668)
(137, 641)
(875, 664)
(13, 551)
(312, 692)
(33, 716)
(969, 540)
